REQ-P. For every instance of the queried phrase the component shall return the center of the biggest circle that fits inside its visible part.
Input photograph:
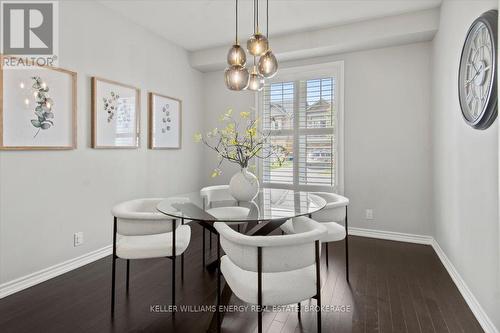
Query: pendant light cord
(254, 25)
(267, 19)
(257, 15)
(236, 39)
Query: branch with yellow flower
(239, 141)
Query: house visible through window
(301, 111)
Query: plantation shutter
(301, 116)
(278, 117)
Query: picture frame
(165, 122)
(116, 110)
(38, 108)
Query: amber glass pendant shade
(256, 81)
(236, 56)
(268, 65)
(236, 77)
(257, 45)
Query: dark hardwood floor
(395, 287)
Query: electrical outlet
(369, 214)
(78, 238)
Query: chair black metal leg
(259, 319)
(238, 228)
(318, 286)
(327, 261)
(298, 310)
(182, 267)
(346, 248)
(219, 273)
(173, 261)
(113, 287)
(128, 273)
(346, 259)
(203, 251)
(113, 269)
(210, 241)
(182, 258)
(173, 281)
(259, 288)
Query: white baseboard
(467, 294)
(390, 235)
(48, 273)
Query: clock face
(477, 76)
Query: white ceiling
(201, 24)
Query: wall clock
(477, 79)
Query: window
(302, 111)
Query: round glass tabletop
(270, 204)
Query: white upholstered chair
(334, 212)
(272, 270)
(219, 193)
(212, 194)
(140, 232)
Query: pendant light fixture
(257, 45)
(268, 65)
(236, 75)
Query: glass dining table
(267, 212)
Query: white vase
(244, 186)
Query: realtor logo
(29, 30)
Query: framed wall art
(38, 108)
(115, 114)
(165, 122)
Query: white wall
(465, 165)
(47, 196)
(387, 147)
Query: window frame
(296, 74)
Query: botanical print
(43, 110)
(125, 109)
(115, 115)
(166, 120)
(165, 123)
(38, 110)
(119, 106)
(110, 105)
